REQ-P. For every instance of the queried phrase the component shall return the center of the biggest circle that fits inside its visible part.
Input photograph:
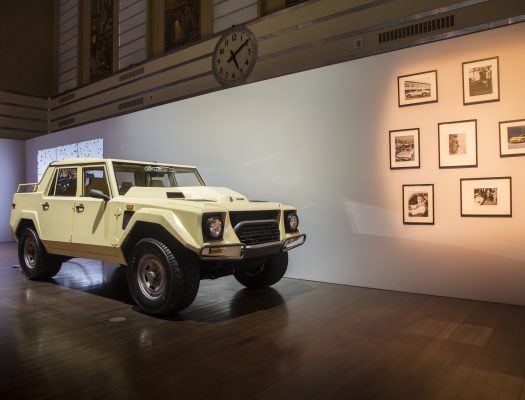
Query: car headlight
(213, 227)
(292, 222)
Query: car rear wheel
(268, 274)
(34, 260)
(159, 281)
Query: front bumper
(239, 251)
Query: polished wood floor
(79, 337)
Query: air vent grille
(417, 29)
(131, 103)
(240, 216)
(67, 98)
(175, 195)
(67, 121)
(131, 74)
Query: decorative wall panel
(133, 17)
(227, 13)
(67, 45)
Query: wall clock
(234, 56)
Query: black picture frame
(476, 83)
(396, 163)
(487, 198)
(423, 91)
(466, 160)
(506, 148)
(429, 218)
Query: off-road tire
(271, 272)
(180, 272)
(35, 261)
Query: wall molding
(306, 36)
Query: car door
(94, 223)
(56, 216)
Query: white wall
(12, 172)
(319, 140)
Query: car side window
(66, 182)
(94, 178)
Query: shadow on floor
(217, 301)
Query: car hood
(195, 195)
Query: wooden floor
(80, 337)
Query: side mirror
(97, 194)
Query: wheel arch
(141, 230)
(26, 221)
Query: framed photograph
(481, 81)
(486, 197)
(417, 88)
(404, 148)
(418, 204)
(458, 144)
(512, 138)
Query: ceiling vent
(420, 28)
(131, 74)
(65, 122)
(131, 103)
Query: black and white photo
(418, 204)
(417, 88)
(404, 148)
(512, 138)
(486, 197)
(481, 81)
(457, 144)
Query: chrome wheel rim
(151, 277)
(30, 253)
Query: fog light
(222, 251)
(294, 242)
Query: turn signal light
(129, 207)
(13, 205)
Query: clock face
(234, 57)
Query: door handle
(45, 206)
(80, 208)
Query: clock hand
(233, 54)
(232, 57)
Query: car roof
(85, 160)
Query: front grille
(257, 232)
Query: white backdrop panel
(12, 169)
(319, 140)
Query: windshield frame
(150, 167)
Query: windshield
(145, 175)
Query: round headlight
(214, 225)
(293, 221)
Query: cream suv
(161, 220)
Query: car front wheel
(160, 282)
(34, 260)
(268, 274)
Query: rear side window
(66, 182)
(95, 178)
